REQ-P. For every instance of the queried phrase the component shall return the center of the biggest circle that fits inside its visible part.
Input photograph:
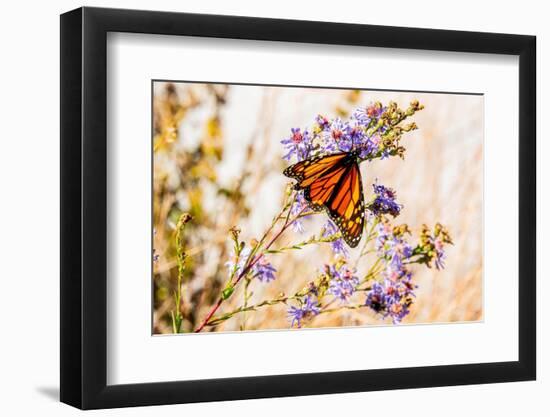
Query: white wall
(29, 110)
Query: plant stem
(253, 259)
(305, 243)
(209, 316)
(219, 319)
(344, 307)
(246, 296)
(177, 316)
(373, 271)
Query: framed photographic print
(255, 208)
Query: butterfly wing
(346, 205)
(333, 182)
(321, 169)
(308, 170)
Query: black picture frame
(84, 207)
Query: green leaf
(227, 292)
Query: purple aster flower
(338, 135)
(385, 154)
(343, 282)
(376, 298)
(384, 232)
(237, 263)
(328, 146)
(364, 115)
(400, 296)
(394, 249)
(356, 133)
(322, 122)
(384, 201)
(308, 309)
(394, 275)
(299, 206)
(439, 254)
(298, 144)
(263, 270)
(398, 250)
(393, 297)
(338, 130)
(368, 146)
(397, 311)
(338, 246)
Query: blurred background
(217, 156)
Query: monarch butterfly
(333, 182)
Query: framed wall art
(255, 208)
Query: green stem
(247, 296)
(373, 271)
(344, 307)
(177, 316)
(300, 245)
(214, 321)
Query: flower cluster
(298, 144)
(392, 245)
(335, 279)
(343, 281)
(260, 267)
(392, 297)
(394, 294)
(263, 270)
(370, 113)
(338, 246)
(372, 131)
(384, 201)
(308, 308)
(431, 247)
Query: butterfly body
(333, 183)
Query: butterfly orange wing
(333, 182)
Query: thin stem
(246, 296)
(219, 319)
(253, 259)
(310, 241)
(174, 325)
(344, 307)
(368, 238)
(210, 314)
(373, 271)
(177, 316)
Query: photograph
(256, 210)
(298, 207)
